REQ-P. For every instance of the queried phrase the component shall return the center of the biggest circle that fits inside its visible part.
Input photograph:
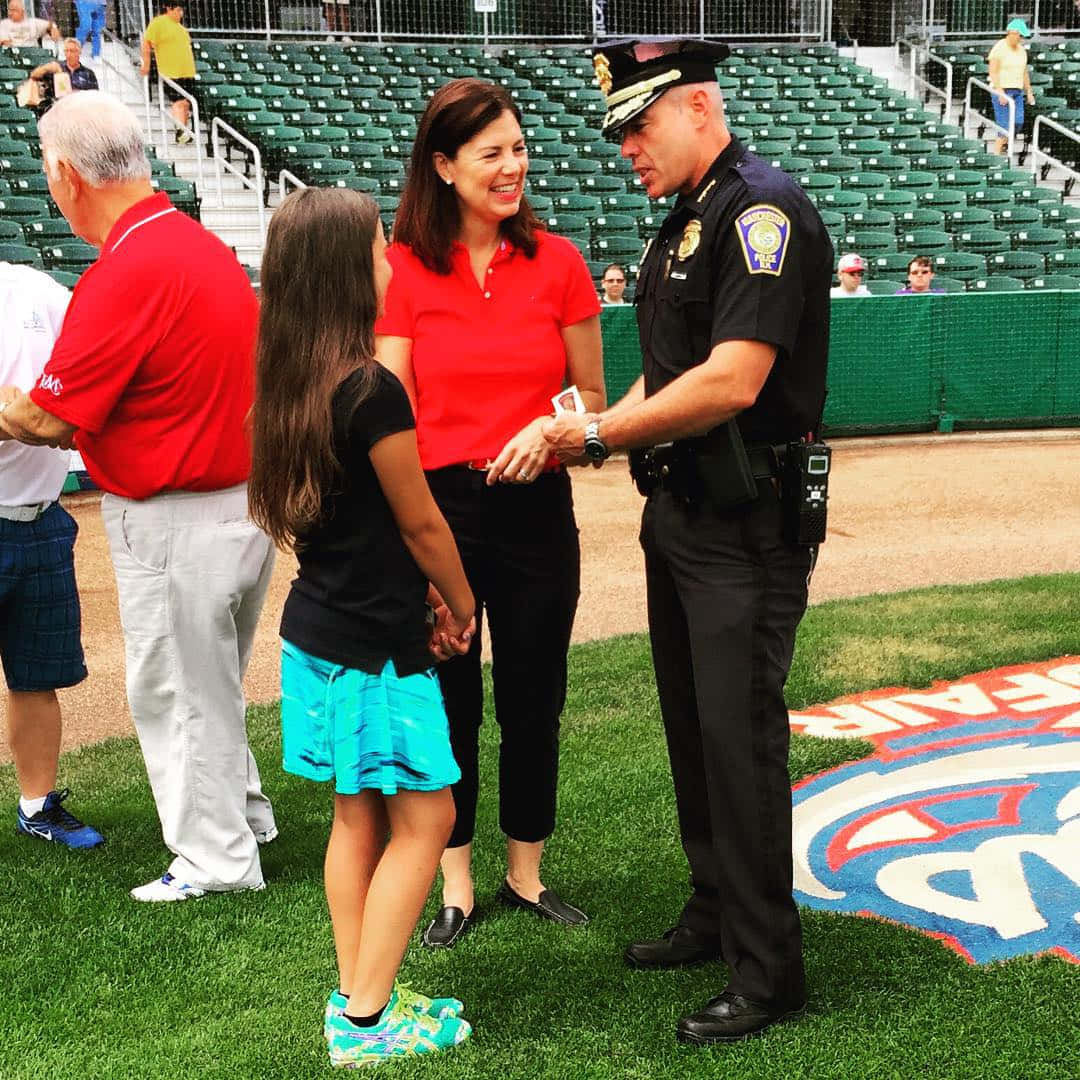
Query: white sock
(30, 807)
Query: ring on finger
(524, 474)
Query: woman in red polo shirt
(488, 316)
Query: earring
(450, 183)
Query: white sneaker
(166, 889)
(267, 835)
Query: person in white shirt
(17, 29)
(40, 621)
(850, 272)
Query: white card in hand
(568, 400)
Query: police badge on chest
(688, 245)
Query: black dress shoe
(549, 906)
(731, 1017)
(446, 928)
(679, 947)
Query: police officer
(733, 314)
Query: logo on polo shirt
(35, 323)
(52, 384)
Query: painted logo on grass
(964, 823)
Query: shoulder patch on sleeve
(764, 233)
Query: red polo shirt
(486, 361)
(155, 361)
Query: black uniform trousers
(519, 545)
(725, 597)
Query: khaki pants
(191, 574)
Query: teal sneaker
(442, 1008)
(402, 1032)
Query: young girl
(336, 476)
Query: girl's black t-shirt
(359, 597)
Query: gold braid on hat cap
(603, 72)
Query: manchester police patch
(764, 232)
(965, 822)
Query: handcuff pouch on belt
(712, 469)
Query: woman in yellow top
(1009, 78)
(172, 45)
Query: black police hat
(634, 72)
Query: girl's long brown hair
(428, 219)
(316, 327)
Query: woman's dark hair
(316, 327)
(428, 218)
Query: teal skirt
(365, 732)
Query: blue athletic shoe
(53, 822)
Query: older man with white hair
(152, 378)
(18, 29)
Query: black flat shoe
(731, 1017)
(549, 906)
(446, 928)
(679, 947)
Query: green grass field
(96, 986)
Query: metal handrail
(1036, 153)
(129, 77)
(253, 183)
(968, 110)
(286, 177)
(195, 131)
(917, 80)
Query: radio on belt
(805, 488)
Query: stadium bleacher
(890, 178)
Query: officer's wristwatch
(595, 447)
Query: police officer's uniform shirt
(744, 257)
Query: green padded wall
(904, 363)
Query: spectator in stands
(487, 317)
(17, 29)
(614, 284)
(336, 13)
(91, 22)
(920, 276)
(850, 272)
(153, 378)
(40, 626)
(171, 43)
(76, 75)
(1009, 78)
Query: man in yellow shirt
(1009, 78)
(171, 43)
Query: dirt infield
(905, 512)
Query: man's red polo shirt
(487, 361)
(155, 361)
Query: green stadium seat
(68, 278)
(890, 263)
(21, 255)
(34, 183)
(45, 231)
(893, 200)
(1055, 281)
(601, 184)
(847, 202)
(589, 205)
(869, 241)
(944, 199)
(890, 164)
(556, 184)
(25, 208)
(962, 265)
(991, 198)
(72, 255)
(920, 217)
(967, 218)
(915, 180)
(983, 241)
(921, 241)
(949, 284)
(884, 286)
(1059, 216)
(1014, 218)
(541, 205)
(833, 220)
(866, 181)
(1035, 194)
(1064, 261)
(818, 182)
(11, 232)
(615, 225)
(870, 219)
(963, 179)
(996, 283)
(1019, 264)
(617, 247)
(1038, 238)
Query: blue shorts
(40, 620)
(1001, 112)
(379, 732)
